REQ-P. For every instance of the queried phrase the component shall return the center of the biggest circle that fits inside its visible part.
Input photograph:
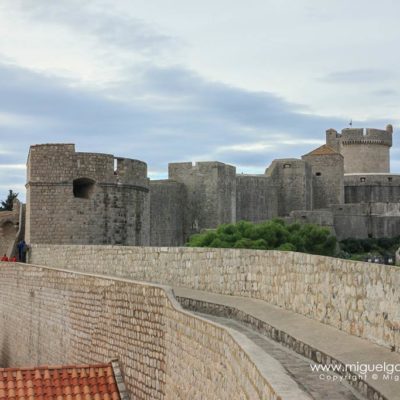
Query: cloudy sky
(183, 80)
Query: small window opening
(390, 179)
(287, 166)
(318, 173)
(83, 188)
(362, 179)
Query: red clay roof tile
(83, 382)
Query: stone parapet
(356, 297)
(51, 316)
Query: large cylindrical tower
(86, 198)
(364, 151)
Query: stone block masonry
(88, 198)
(99, 199)
(50, 316)
(358, 298)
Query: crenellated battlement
(364, 150)
(61, 163)
(350, 136)
(195, 167)
(93, 197)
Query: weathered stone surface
(363, 151)
(48, 316)
(11, 228)
(90, 198)
(86, 198)
(356, 297)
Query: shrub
(274, 234)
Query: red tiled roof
(82, 382)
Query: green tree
(274, 234)
(7, 204)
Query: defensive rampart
(363, 150)
(358, 298)
(11, 228)
(88, 198)
(50, 316)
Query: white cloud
(283, 47)
(13, 166)
(178, 80)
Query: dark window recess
(287, 166)
(318, 173)
(362, 179)
(83, 188)
(390, 179)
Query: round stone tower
(86, 198)
(364, 151)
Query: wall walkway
(53, 316)
(358, 298)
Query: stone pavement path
(297, 366)
(323, 339)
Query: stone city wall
(52, 317)
(256, 198)
(327, 177)
(363, 150)
(11, 228)
(90, 198)
(372, 188)
(293, 179)
(167, 205)
(364, 220)
(358, 298)
(8, 231)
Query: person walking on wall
(22, 249)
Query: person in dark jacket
(22, 248)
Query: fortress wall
(8, 232)
(358, 298)
(56, 216)
(327, 176)
(322, 218)
(364, 157)
(167, 208)
(55, 317)
(12, 226)
(86, 198)
(58, 156)
(365, 220)
(99, 167)
(211, 193)
(131, 171)
(363, 150)
(352, 221)
(293, 178)
(256, 198)
(368, 188)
